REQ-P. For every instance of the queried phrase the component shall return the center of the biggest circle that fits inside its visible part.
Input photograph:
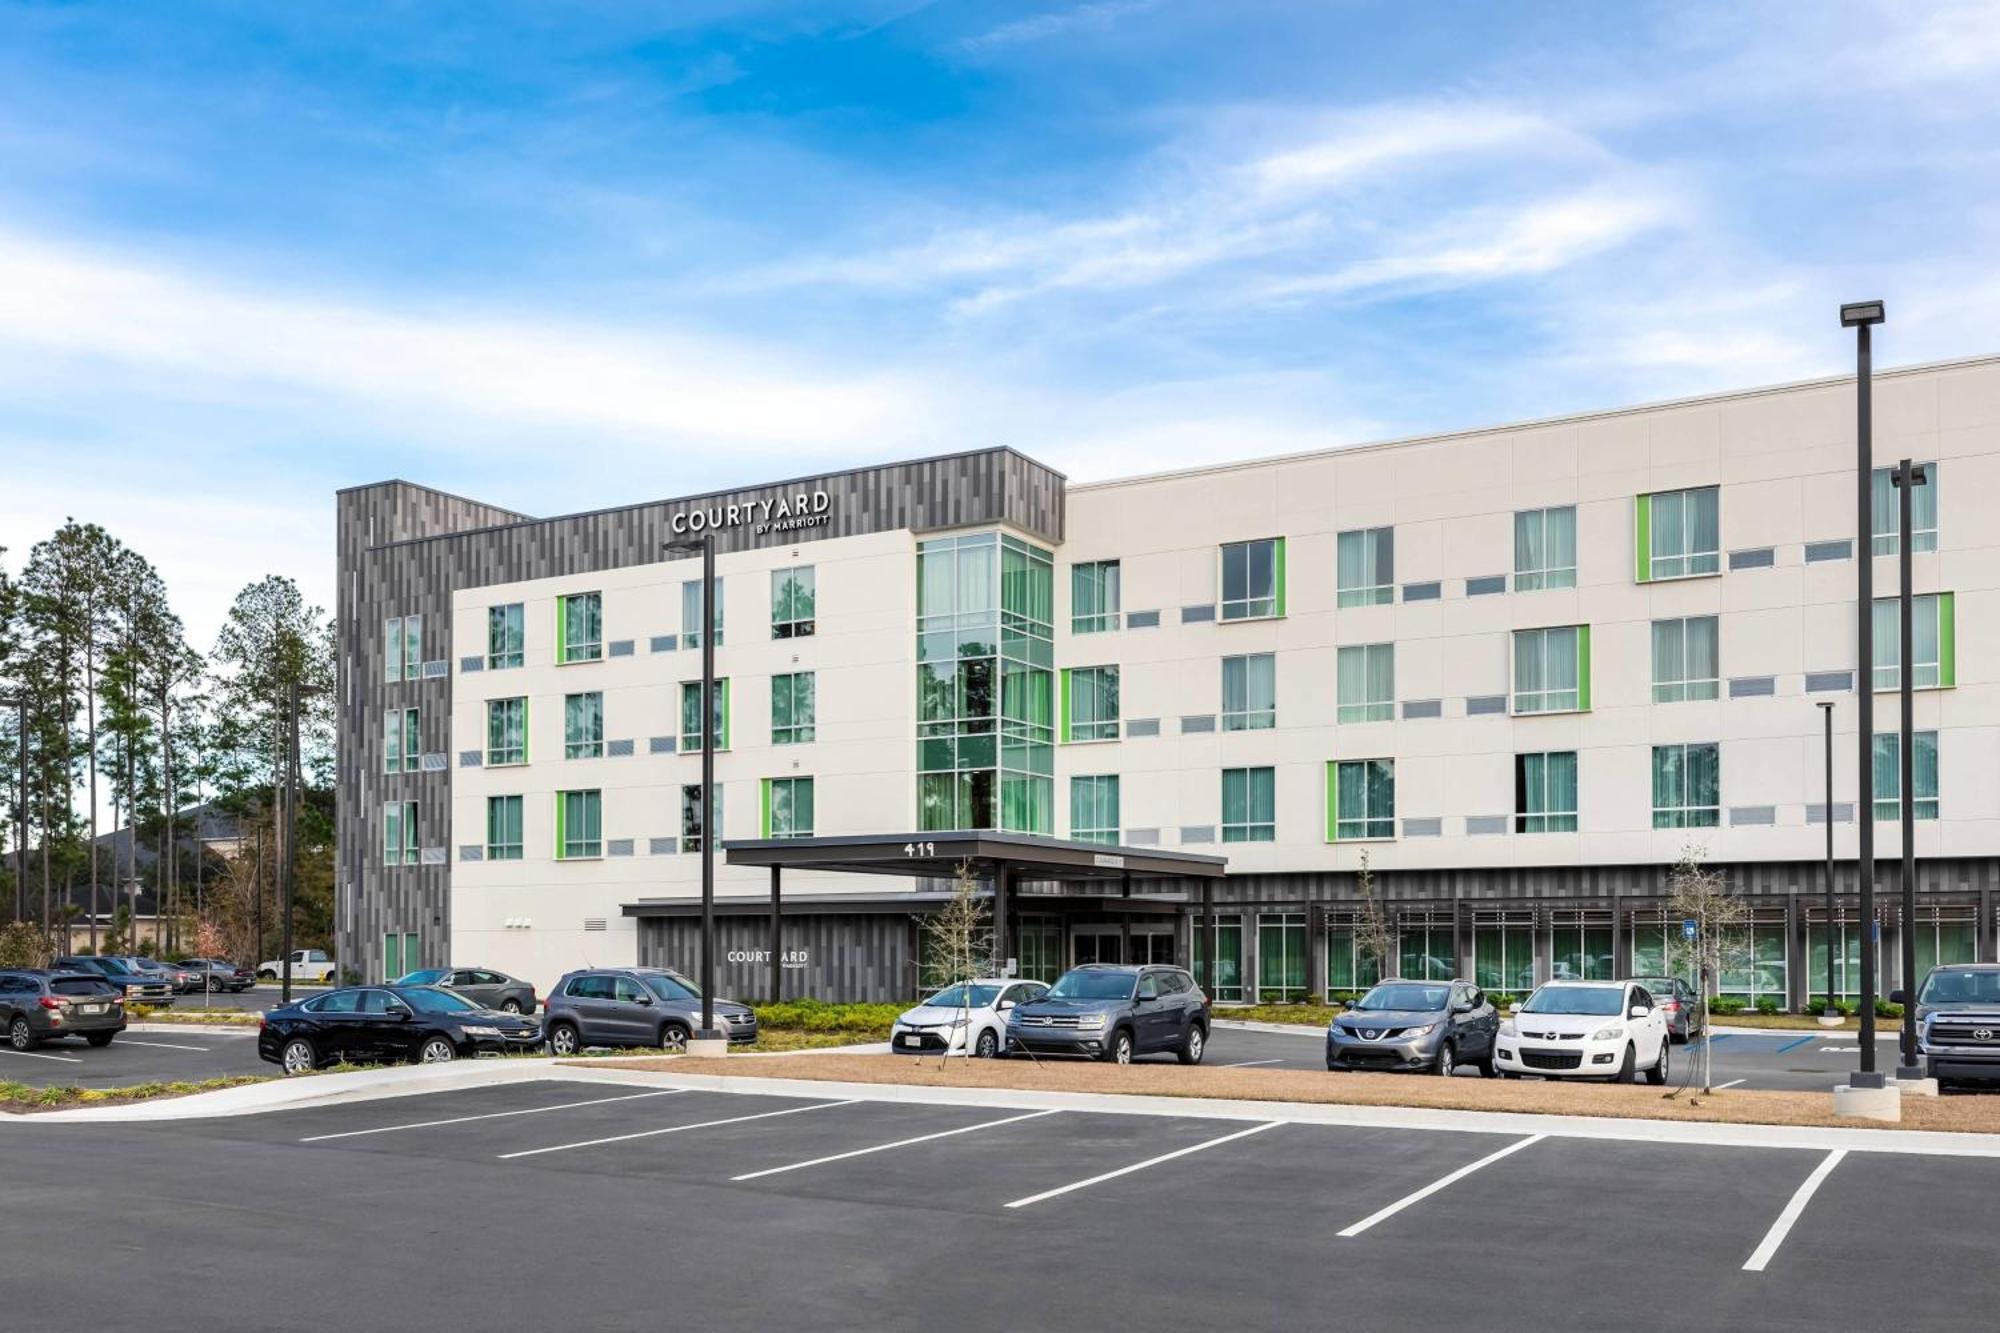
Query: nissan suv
(1958, 1022)
(1104, 1012)
(633, 1006)
(1430, 1027)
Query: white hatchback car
(1586, 1029)
(968, 1017)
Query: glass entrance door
(1097, 944)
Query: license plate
(90, 1008)
(913, 1040)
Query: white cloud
(1358, 145)
(1041, 27)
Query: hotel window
(1503, 953)
(580, 627)
(583, 726)
(1687, 786)
(579, 825)
(1365, 567)
(1846, 958)
(1250, 692)
(399, 833)
(1889, 774)
(1349, 966)
(1686, 660)
(1552, 669)
(505, 636)
(1281, 956)
(691, 613)
(1945, 941)
(1249, 805)
(1227, 983)
(1094, 599)
(1366, 683)
(402, 741)
(1580, 947)
(794, 599)
(794, 710)
(1545, 548)
(1753, 963)
(506, 731)
(691, 715)
(1545, 792)
(691, 818)
(1427, 950)
(503, 828)
(1933, 641)
(1093, 809)
(1253, 579)
(788, 808)
(403, 647)
(1361, 799)
(1679, 533)
(1090, 704)
(1885, 508)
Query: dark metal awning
(896, 903)
(1024, 856)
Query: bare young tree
(1720, 942)
(958, 940)
(1374, 937)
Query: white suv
(1586, 1029)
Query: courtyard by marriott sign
(785, 513)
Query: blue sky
(563, 256)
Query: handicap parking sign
(1687, 929)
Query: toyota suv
(633, 1006)
(1958, 1022)
(1429, 1027)
(1103, 1012)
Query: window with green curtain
(1846, 959)
(1753, 963)
(1687, 660)
(392, 648)
(1364, 799)
(691, 612)
(1547, 670)
(583, 726)
(581, 817)
(691, 714)
(404, 744)
(1348, 966)
(1250, 692)
(1249, 805)
(1687, 786)
(1366, 682)
(506, 731)
(1889, 774)
(794, 709)
(1365, 567)
(1093, 808)
(794, 602)
(1686, 532)
(1426, 951)
(1227, 983)
(1885, 511)
(1281, 956)
(1650, 948)
(1095, 597)
(1580, 952)
(399, 833)
(1093, 703)
(582, 616)
(503, 828)
(1545, 548)
(692, 822)
(1545, 792)
(1503, 956)
(403, 647)
(1944, 943)
(506, 636)
(1250, 579)
(1931, 632)
(1039, 944)
(791, 814)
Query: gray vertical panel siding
(859, 957)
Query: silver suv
(633, 1006)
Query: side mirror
(645, 998)
(1514, 1008)
(401, 1015)
(1641, 1010)
(1899, 997)
(1463, 1007)
(1003, 1006)
(1347, 1004)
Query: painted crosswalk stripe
(885, 1147)
(489, 1115)
(1443, 1182)
(672, 1129)
(1783, 1226)
(1141, 1166)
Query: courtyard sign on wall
(784, 513)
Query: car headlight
(480, 1030)
(1423, 1031)
(1090, 1020)
(1607, 1034)
(1507, 1027)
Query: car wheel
(99, 1038)
(266, 974)
(20, 1036)
(1445, 1063)
(215, 986)
(988, 1046)
(436, 1051)
(1624, 1074)
(510, 1006)
(1191, 1050)
(673, 1037)
(563, 1040)
(1120, 1050)
(1657, 1075)
(299, 1057)
(1486, 1067)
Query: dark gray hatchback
(1113, 1013)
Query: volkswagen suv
(633, 1006)
(1104, 1012)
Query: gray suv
(1958, 1022)
(1429, 1027)
(1114, 1013)
(633, 1006)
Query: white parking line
(37, 1055)
(490, 1115)
(1247, 1064)
(1730, 1084)
(163, 1045)
(1436, 1185)
(1783, 1226)
(885, 1147)
(672, 1129)
(1141, 1166)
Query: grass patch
(808, 1041)
(232, 1017)
(22, 1097)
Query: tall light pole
(1828, 1011)
(1861, 316)
(1908, 476)
(705, 545)
(289, 872)
(19, 703)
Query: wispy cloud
(1096, 16)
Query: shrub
(1884, 1009)
(1767, 1004)
(1726, 1004)
(821, 1016)
(22, 945)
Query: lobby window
(1945, 941)
(1093, 809)
(1552, 669)
(1503, 953)
(579, 825)
(1545, 548)
(1365, 567)
(788, 808)
(1753, 963)
(506, 636)
(691, 815)
(691, 612)
(691, 715)
(1366, 682)
(399, 833)
(402, 741)
(1885, 510)
(1427, 949)
(794, 602)
(1545, 792)
(1679, 533)
(1686, 660)
(1249, 804)
(1250, 692)
(403, 647)
(1933, 641)
(580, 627)
(583, 726)
(1253, 579)
(1281, 956)
(1090, 704)
(1227, 983)
(794, 708)
(1580, 948)
(1349, 966)
(1361, 799)
(503, 828)
(506, 731)
(1889, 774)
(1846, 957)
(1687, 786)
(1094, 597)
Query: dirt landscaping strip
(1960, 1114)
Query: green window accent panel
(1095, 596)
(1545, 792)
(1947, 637)
(579, 825)
(1687, 786)
(691, 714)
(1361, 799)
(794, 709)
(1933, 635)
(1249, 805)
(1545, 548)
(1090, 704)
(1552, 669)
(1227, 983)
(583, 726)
(1687, 659)
(1062, 711)
(1280, 580)
(1365, 567)
(1888, 798)
(1093, 809)
(506, 641)
(692, 823)
(580, 627)
(787, 808)
(1885, 511)
(1642, 529)
(1281, 956)
(506, 731)
(503, 828)
(1250, 692)
(1583, 668)
(1365, 676)
(794, 602)
(1250, 579)
(1683, 533)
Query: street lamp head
(687, 546)
(1856, 313)
(1827, 704)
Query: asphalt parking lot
(135, 1057)
(602, 1206)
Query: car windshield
(1403, 996)
(1093, 986)
(431, 1000)
(670, 988)
(429, 976)
(1960, 986)
(115, 966)
(1593, 1000)
(964, 997)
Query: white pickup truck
(307, 965)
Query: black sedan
(373, 1024)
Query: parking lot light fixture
(1862, 316)
(1907, 477)
(1827, 1011)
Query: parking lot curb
(193, 1029)
(1282, 1029)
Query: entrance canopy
(1018, 856)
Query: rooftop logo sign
(785, 513)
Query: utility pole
(1827, 1010)
(1862, 316)
(1908, 477)
(291, 869)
